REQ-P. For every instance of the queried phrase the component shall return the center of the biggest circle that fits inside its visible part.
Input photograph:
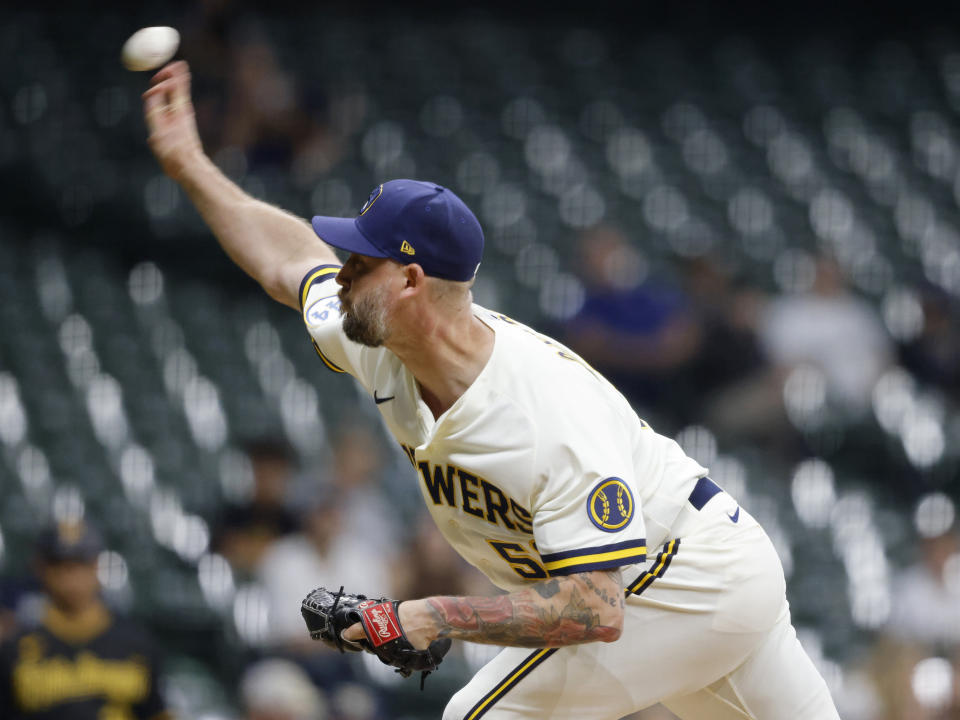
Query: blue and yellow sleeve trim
(318, 274)
(601, 557)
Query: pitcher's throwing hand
(168, 111)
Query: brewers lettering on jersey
(629, 577)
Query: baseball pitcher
(629, 577)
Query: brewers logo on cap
(377, 192)
(610, 505)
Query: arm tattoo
(557, 612)
(547, 589)
(602, 593)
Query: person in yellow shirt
(80, 662)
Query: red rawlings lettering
(381, 623)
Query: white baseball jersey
(540, 468)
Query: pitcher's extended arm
(569, 610)
(269, 244)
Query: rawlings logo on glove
(383, 619)
(328, 614)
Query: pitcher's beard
(365, 321)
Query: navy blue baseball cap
(70, 540)
(411, 222)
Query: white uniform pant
(708, 635)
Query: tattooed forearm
(613, 599)
(557, 612)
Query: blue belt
(704, 490)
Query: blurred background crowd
(750, 224)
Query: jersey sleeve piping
(327, 361)
(600, 557)
(320, 272)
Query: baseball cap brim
(344, 234)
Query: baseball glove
(328, 614)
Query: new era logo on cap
(411, 221)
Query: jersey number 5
(521, 563)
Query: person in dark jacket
(79, 661)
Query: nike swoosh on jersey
(735, 516)
(379, 400)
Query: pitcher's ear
(414, 275)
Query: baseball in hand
(150, 48)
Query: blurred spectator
(727, 317)
(358, 469)
(277, 689)
(205, 30)
(253, 114)
(831, 328)
(330, 553)
(828, 328)
(8, 623)
(273, 121)
(926, 597)
(79, 661)
(12, 589)
(935, 355)
(355, 701)
(890, 667)
(326, 552)
(262, 114)
(245, 531)
(638, 334)
(446, 573)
